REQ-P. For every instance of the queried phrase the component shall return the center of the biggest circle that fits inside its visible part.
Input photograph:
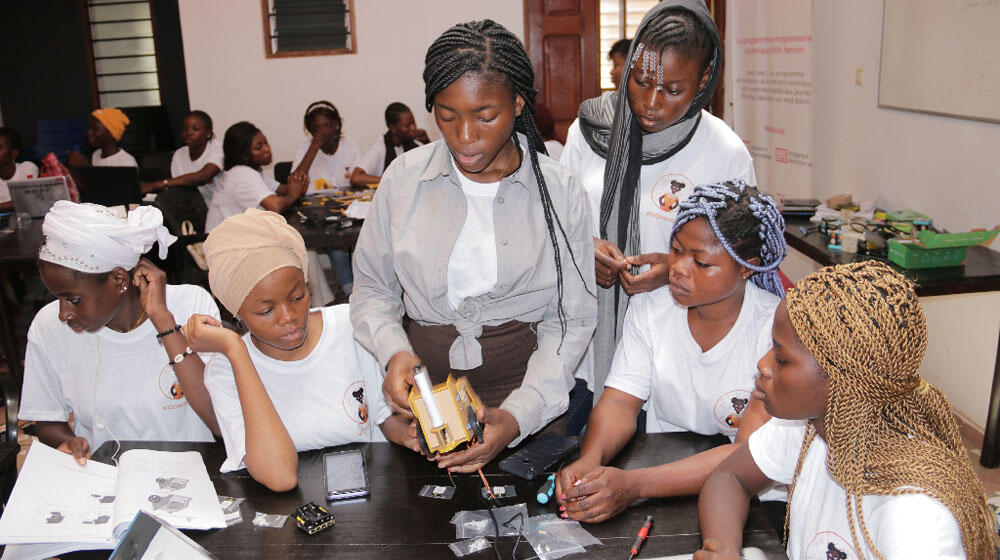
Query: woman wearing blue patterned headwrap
(688, 352)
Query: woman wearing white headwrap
(110, 350)
(297, 380)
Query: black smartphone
(346, 476)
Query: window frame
(269, 52)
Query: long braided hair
(889, 432)
(747, 224)
(487, 47)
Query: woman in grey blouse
(486, 247)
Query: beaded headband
(709, 200)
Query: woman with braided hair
(639, 151)
(688, 352)
(485, 243)
(875, 462)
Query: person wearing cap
(296, 380)
(103, 135)
(109, 350)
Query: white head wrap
(94, 239)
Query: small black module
(312, 518)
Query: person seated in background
(402, 136)
(296, 380)
(198, 163)
(687, 353)
(617, 55)
(871, 451)
(105, 131)
(329, 158)
(243, 185)
(109, 350)
(547, 128)
(10, 170)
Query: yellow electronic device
(450, 420)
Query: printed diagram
(55, 517)
(171, 503)
(102, 499)
(172, 483)
(99, 520)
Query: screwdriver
(643, 533)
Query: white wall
(947, 168)
(230, 78)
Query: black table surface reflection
(394, 522)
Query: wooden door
(562, 41)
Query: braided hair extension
(889, 432)
(490, 49)
(746, 222)
(393, 112)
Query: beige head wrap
(245, 248)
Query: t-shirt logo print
(733, 420)
(729, 410)
(828, 545)
(169, 385)
(355, 404)
(666, 192)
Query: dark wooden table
(316, 232)
(980, 273)
(394, 522)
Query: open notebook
(58, 506)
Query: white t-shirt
(373, 160)
(23, 170)
(715, 153)
(115, 384)
(240, 188)
(331, 397)
(659, 361)
(555, 148)
(121, 158)
(182, 164)
(472, 267)
(336, 168)
(902, 527)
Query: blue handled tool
(546, 490)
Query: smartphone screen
(345, 475)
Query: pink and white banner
(769, 72)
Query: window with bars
(308, 27)
(124, 53)
(619, 20)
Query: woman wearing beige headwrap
(110, 349)
(296, 380)
(103, 135)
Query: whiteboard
(941, 57)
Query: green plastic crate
(909, 254)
